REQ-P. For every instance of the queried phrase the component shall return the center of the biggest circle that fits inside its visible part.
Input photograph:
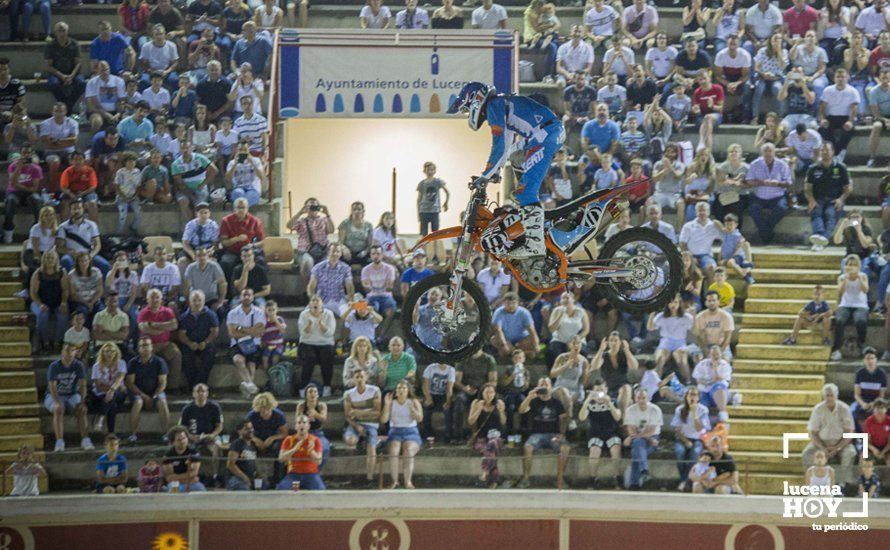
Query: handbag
(316, 250)
(247, 345)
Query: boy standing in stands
(735, 251)
(429, 204)
(724, 290)
(816, 311)
(273, 335)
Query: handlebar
(479, 182)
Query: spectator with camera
(245, 175)
(548, 422)
(312, 224)
(604, 427)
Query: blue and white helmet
(472, 99)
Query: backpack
(281, 379)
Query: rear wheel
(652, 270)
(432, 335)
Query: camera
(242, 157)
(541, 391)
(314, 207)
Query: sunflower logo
(170, 541)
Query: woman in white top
(247, 85)
(41, 238)
(566, 321)
(403, 413)
(202, 132)
(673, 325)
(375, 16)
(852, 291)
(108, 393)
(727, 20)
(690, 422)
(387, 236)
(317, 326)
(567, 372)
(820, 474)
(269, 16)
(362, 356)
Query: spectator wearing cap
(252, 126)
(200, 232)
(213, 91)
(112, 48)
(312, 224)
(198, 330)
(25, 178)
(158, 323)
(62, 57)
(416, 273)
(192, 172)
(79, 184)
(252, 48)
(828, 423)
(78, 234)
(104, 155)
(205, 275)
(161, 55)
(253, 275)
(103, 92)
(246, 175)
(332, 281)
(770, 177)
(237, 230)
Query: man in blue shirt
(198, 329)
(113, 48)
(517, 123)
(111, 468)
(416, 273)
(137, 126)
(252, 49)
(514, 328)
(66, 390)
(600, 135)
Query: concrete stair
(778, 366)
(776, 336)
(778, 351)
(787, 292)
(811, 382)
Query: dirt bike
(446, 316)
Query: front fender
(447, 233)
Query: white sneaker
(86, 444)
(841, 156)
(7, 236)
(133, 438)
(573, 426)
(816, 239)
(736, 399)
(60, 445)
(817, 248)
(533, 232)
(23, 294)
(836, 355)
(303, 394)
(723, 416)
(326, 391)
(99, 424)
(253, 389)
(245, 389)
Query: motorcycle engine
(539, 272)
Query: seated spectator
(124, 281)
(252, 275)
(690, 423)
(713, 375)
(403, 414)
(41, 237)
(817, 311)
(838, 109)
(355, 236)
(877, 426)
(726, 475)
(150, 477)
(23, 189)
(797, 100)
(79, 184)
(574, 61)
(198, 331)
(856, 235)
(58, 136)
(643, 422)
(378, 279)
(104, 156)
(673, 325)
(225, 141)
(548, 422)
(111, 468)
(332, 281)
(614, 361)
(488, 419)
(412, 17)
(852, 307)
(513, 385)
(317, 326)
(879, 103)
(828, 422)
(126, 187)
(203, 14)
(495, 282)
(24, 473)
(205, 275)
(438, 393)
(302, 452)
(396, 365)
(14, 97)
(252, 48)
(667, 174)
(270, 428)
(362, 356)
(416, 273)
(869, 483)
(134, 16)
(570, 372)
(375, 15)
(162, 276)
(698, 236)
(184, 100)
(804, 146)
(147, 381)
(213, 92)
(246, 324)
(241, 461)
(182, 464)
(362, 409)
(165, 14)
(200, 232)
(237, 230)
(713, 326)
(870, 386)
(827, 187)
(246, 175)
(192, 174)
(770, 177)
(103, 93)
(312, 234)
(109, 392)
(268, 16)
(158, 322)
(448, 16)
(21, 130)
(112, 325)
(136, 129)
(78, 335)
(85, 287)
(361, 320)
(202, 417)
(201, 132)
(724, 290)
(112, 48)
(317, 413)
(201, 52)
(252, 127)
(273, 336)
(66, 392)
(514, 328)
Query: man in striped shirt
(252, 126)
(770, 177)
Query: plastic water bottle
(519, 375)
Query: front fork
(461, 265)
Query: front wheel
(649, 270)
(431, 334)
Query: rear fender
(447, 233)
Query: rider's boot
(533, 231)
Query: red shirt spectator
(878, 430)
(879, 60)
(78, 179)
(162, 314)
(700, 97)
(134, 16)
(800, 18)
(240, 223)
(301, 462)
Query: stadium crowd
(174, 105)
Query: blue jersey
(517, 123)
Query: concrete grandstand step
(17, 396)
(19, 426)
(14, 335)
(20, 410)
(770, 484)
(795, 398)
(9, 258)
(15, 349)
(787, 291)
(798, 276)
(772, 305)
(778, 366)
(765, 427)
(766, 463)
(16, 379)
(791, 258)
(15, 363)
(13, 442)
(12, 304)
(773, 412)
(762, 443)
(771, 381)
(769, 352)
(776, 336)
(7, 289)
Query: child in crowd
(162, 140)
(25, 472)
(606, 176)
(702, 470)
(820, 474)
(638, 196)
(179, 137)
(679, 105)
(78, 335)
(514, 387)
(634, 143)
(131, 97)
(273, 336)
(735, 251)
(723, 289)
(111, 468)
(226, 141)
(151, 479)
(157, 96)
(548, 25)
(869, 482)
(126, 187)
(184, 100)
(815, 312)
